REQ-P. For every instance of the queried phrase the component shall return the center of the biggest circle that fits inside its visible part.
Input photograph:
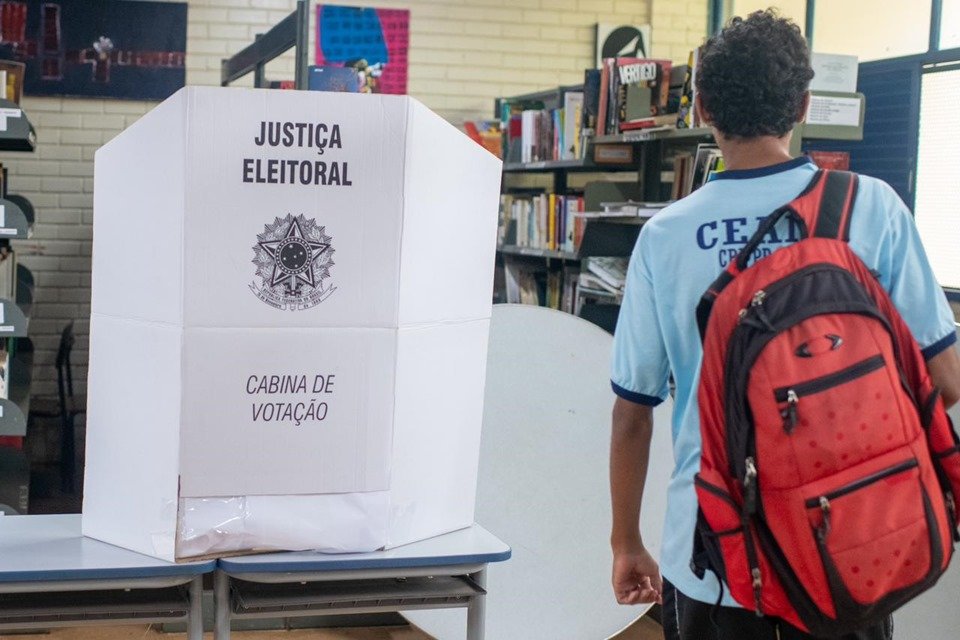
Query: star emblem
(293, 257)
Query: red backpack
(829, 464)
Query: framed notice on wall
(97, 48)
(622, 41)
(374, 42)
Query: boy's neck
(753, 153)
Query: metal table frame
(32, 554)
(426, 559)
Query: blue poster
(97, 48)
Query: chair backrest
(64, 375)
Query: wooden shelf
(657, 134)
(536, 253)
(582, 165)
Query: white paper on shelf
(8, 113)
(831, 110)
(834, 72)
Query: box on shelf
(291, 298)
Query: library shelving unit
(16, 302)
(648, 152)
(643, 152)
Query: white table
(442, 572)
(51, 576)
(543, 484)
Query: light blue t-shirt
(682, 250)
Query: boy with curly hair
(752, 89)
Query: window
(860, 28)
(950, 24)
(938, 174)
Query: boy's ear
(705, 116)
(804, 108)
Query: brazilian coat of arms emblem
(293, 257)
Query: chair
(65, 407)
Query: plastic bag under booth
(291, 302)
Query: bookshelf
(16, 303)
(636, 158)
(641, 157)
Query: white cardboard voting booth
(291, 301)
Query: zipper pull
(757, 588)
(757, 304)
(750, 486)
(790, 413)
(952, 509)
(824, 529)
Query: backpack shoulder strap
(826, 204)
(823, 208)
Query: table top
(51, 548)
(473, 545)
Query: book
(707, 155)
(572, 124)
(487, 134)
(604, 100)
(591, 98)
(687, 117)
(329, 78)
(665, 121)
(831, 159)
(592, 281)
(643, 91)
(612, 272)
(627, 209)
(529, 134)
(682, 168)
(11, 80)
(541, 221)
(568, 298)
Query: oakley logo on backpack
(829, 464)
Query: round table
(543, 483)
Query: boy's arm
(636, 575)
(945, 371)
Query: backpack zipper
(856, 485)
(835, 379)
(792, 394)
(749, 510)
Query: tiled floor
(644, 629)
(147, 633)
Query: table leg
(221, 602)
(195, 617)
(477, 609)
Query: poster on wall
(97, 48)
(373, 42)
(622, 41)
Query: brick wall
(463, 53)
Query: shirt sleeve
(906, 274)
(640, 368)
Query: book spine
(551, 220)
(604, 96)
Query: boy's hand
(636, 577)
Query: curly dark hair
(753, 76)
